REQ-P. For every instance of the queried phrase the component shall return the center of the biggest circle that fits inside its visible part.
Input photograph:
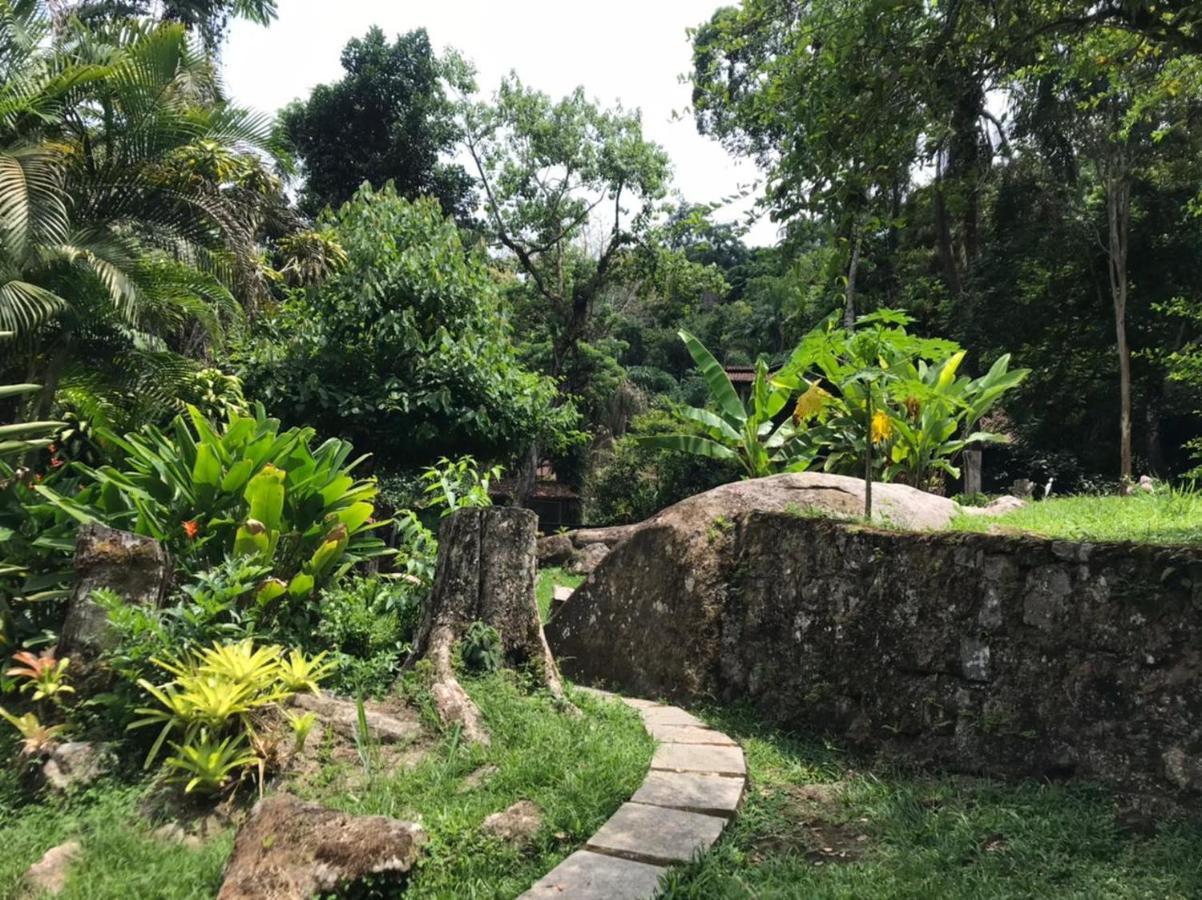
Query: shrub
(631, 480)
(212, 701)
(405, 349)
(368, 624)
(244, 489)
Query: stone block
(669, 715)
(687, 734)
(595, 876)
(699, 758)
(654, 834)
(715, 795)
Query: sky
(632, 51)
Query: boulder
(516, 825)
(49, 874)
(137, 568)
(76, 764)
(1000, 506)
(586, 560)
(674, 561)
(290, 850)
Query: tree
(388, 119)
(405, 349)
(209, 18)
(823, 94)
(547, 168)
(1124, 97)
(130, 202)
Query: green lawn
(1165, 517)
(870, 834)
(578, 771)
(547, 579)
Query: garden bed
(575, 771)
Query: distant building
(557, 505)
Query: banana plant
(757, 434)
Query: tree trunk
(972, 472)
(849, 309)
(1118, 214)
(868, 461)
(943, 235)
(487, 560)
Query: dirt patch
(811, 821)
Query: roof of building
(543, 490)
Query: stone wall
(982, 653)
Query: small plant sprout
(44, 675)
(302, 725)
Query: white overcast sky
(633, 51)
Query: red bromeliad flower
(55, 462)
(191, 529)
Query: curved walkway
(691, 791)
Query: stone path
(691, 791)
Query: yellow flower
(810, 404)
(882, 427)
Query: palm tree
(131, 194)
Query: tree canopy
(388, 119)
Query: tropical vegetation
(285, 345)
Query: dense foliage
(405, 350)
(387, 120)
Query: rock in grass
(49, 874)
(516, 825)
(76, 764)
(291, 850)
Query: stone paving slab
(656, 834)
(594, 876)
(715, 795)
(692, 788)
(687, 734)
(670, 715)
(699, 758)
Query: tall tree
(388, 119)
(1124, 96)
(209, 18)
(551, 170)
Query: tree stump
(487, 560)
(136, 567)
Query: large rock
(673, 562)
(289, 850)
(1009, 655)
(135, 567)
(342, 715)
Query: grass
(545, 587)
(1164, 517)
(893, 834)
(120, 858)
(578, 771)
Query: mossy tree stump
(487, 563)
